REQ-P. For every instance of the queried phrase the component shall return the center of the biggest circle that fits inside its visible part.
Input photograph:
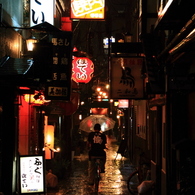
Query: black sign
(61, 70)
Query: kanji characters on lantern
(82, 69)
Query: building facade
(21, 121)
(163, 122)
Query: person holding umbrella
(96, 143)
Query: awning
(14, 66)
(45, 26)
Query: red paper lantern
(82, 69)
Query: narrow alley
(113, 181)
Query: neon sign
(84, 9)
(82, 70)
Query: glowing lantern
(82, 69)
(30, 44)
(49, 141)
(49, 136)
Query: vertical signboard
(41, 11)
(126, 78)
(61, 70)
(32, 175)
(82, 9)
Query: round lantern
(82, 69)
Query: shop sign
(82, 9)
(41, 11)
(123, 103)
(59, 87)
(32, 175)
(126, 78)
(82, 69)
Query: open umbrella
(88, 123)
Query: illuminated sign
(32, 176)
(123, 103)
(85, 9)
(106, 41)
(82, 69)
(41, 11)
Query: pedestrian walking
(96, 143)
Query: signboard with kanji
(126, 78)
(82, 69)
(61, 68)
(41, 11)
(83, 9)
(32, 175)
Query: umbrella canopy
(88, 123)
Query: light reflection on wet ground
(113, 181)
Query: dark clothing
(97, 143)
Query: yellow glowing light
(30, 98)
(49, 135)
(98, 89)
(93, 9)
(48, 138)
(30, 44)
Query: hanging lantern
(82, 70)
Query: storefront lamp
(30, 44)
(36, 98)
(49, 141)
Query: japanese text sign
(32, 176)
(123, 103)
(126, 78)
(41, 11)
(87, 9)
(82, 69)
(59, 88)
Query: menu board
(32, 176)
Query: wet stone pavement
(113, 181)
